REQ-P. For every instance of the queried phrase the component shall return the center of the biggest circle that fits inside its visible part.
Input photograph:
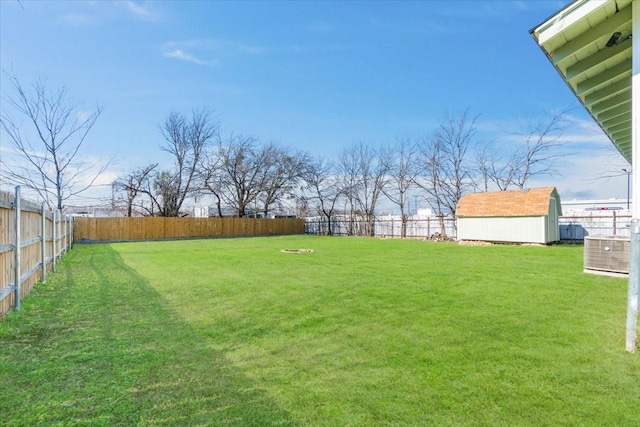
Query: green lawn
(360, 332)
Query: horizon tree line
(244, 175)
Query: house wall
(505, 229)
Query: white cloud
(184, 50)
(140, 11)
(194, 50)
(185, 56)
(217, 45)
(93, 13)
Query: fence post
(70, 227)
(571, 231)
(43, 242)
(63, 233)
(18, 243)
(59, 234)
(53, 240)
(68, 232)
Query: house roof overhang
(589, 44)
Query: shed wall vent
(606, 254)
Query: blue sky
(312, 75)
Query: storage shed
(529, 216)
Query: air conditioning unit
(606, 254)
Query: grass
(359, 332)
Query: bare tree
(364, 178)
(166, 190)
(302, 207)
(212, 178)
(502, 172)
(457, 135)
(483, 166)
(47, 155)
(324, 189)
(431, 165)
(247, 176)
(133, 185)
(492, 169)
(533, 152)
(283, 170)
(186, 142)
(349, 183)
(540, 148)
(165, 194)
(401, 162)
(240, 172)
(447, 173)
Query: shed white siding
(521, 216)
(505, 229)
(552, 222)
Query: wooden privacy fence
(156, 228)
(32, 239)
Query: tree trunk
(443, 233)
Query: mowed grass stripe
(359, 332)
(97, 346)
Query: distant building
(93, 212)
(578, 206)
(82, 214)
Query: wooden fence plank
(156, 228)
(30, 233)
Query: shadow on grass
(95, 346)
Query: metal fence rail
(577, 227)
(423, 228)
(32, 239)
(572, 228)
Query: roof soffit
(575, 41)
